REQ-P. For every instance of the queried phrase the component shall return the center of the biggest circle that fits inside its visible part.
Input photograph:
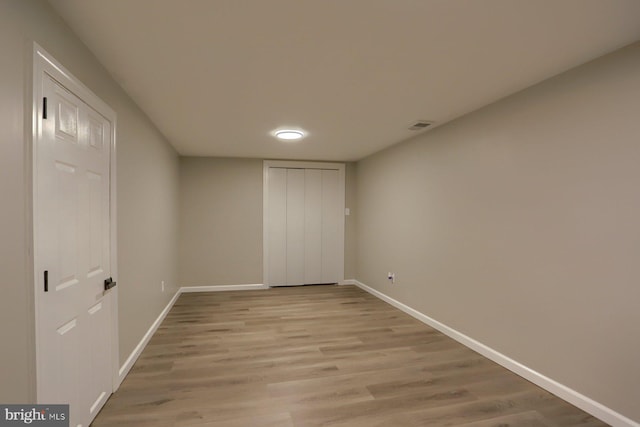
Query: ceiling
(217, 76)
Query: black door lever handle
(109, 283)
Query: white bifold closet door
(305, 226)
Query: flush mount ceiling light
(289, 134)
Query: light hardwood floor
(318, 356)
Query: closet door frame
(288, 164)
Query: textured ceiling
(217, 76)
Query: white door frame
(340, 167)
(44, 63)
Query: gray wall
(147, 193)
(221, 221)
(518, 225)
(350, 226)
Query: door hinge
(44, 107)
(46, 280)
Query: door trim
(44, 63)
(267, 164)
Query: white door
(72, 243)
(304, 223)
(313, 226)
(294, 236)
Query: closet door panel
(313, 226)
(277, 214)
(295, 226)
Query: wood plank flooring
(318, 356)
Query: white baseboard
(583, 402)
(128, 364)
(347, 282)
(187, 289)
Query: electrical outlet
(162, 285)
(392, 276)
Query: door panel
(64, 359)
(277, 226)
(67, 117)
(313, 226)
(66, 224)
(96, 220)
(98, 323)
(96, 132)
(295, 227)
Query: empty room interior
(321, 213)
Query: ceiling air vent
(420, 125)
